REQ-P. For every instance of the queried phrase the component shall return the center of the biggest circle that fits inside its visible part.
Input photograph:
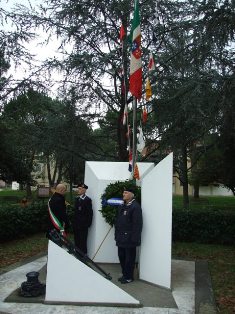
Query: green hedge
(17, 222)
(204, 226)
(10, 198)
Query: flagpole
(134, 133)
(135, 81)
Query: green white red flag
(136, 63)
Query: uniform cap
(82, 185)
(129, 189)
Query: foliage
(13, 51)
(226, 142)
(39, 128)
(17, 222)
(193, 44)
(204, 226)
(23, 119)
(105, 137)
(116, 190)
(207, 167)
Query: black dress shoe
(124, 280)
(120, 278)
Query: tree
(46, 130)
(22, 119)
(195, 61)
(194, 58)
(13, 51)
(94, 63)
(227, 135)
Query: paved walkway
(183, 293)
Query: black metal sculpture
(61, 241)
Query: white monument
(66, 284)
(15, 186)
(156, 199)
(98, 175)
(71, 281)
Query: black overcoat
(83, 212)
(58, 207)
(128, 225)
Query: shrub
(204, 226)
(201, 225)
(16, 222)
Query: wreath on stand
(115, 191)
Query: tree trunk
(60, 168)
(28, 190)
(49, 170)
(185, 178)
(54, 173)
(196, 190)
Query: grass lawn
(14, 197)
(206, 202)
(221, 260)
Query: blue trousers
(127, 260)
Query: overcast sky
(40, 53)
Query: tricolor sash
(55, 221)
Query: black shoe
(121, 278)
(124, 280)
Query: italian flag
(136, 64)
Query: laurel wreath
(116, 190)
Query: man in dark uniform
(128, 227)
(58, 218)
(82, 218)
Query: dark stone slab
(148, 294)
(204, 297)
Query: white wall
(15, 185)
(214, 191)
(97, 176)
(155, 252)
(156, 189)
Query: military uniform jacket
(83, 212)
(128, 225)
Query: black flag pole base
(60, 240)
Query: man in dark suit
(58, 218)
(128, 227)
(82, 218)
